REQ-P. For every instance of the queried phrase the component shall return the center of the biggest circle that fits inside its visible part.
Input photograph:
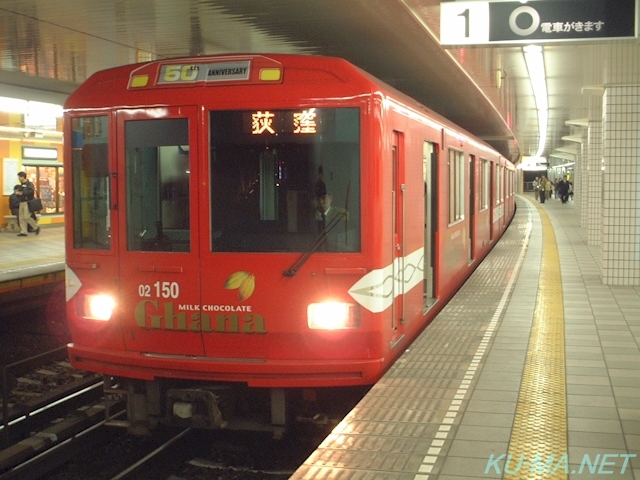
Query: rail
(20, 416)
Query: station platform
(34, 258)
(532, 371)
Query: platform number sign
(477, 23)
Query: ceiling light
(13, 105)
(537, 76)
(25, 107)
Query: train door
(398, 187)
(159, 252)
(472, 206)
(429, 162)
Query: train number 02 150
(161, 289)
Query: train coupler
(194, 407)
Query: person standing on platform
(536, 188)
(543, 188)
(570, 189)
(548, 188)
(26, 193)
(14, 201)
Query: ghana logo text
(151, 315)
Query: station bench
(12, 223)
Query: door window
(157, 185)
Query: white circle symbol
(535, 21)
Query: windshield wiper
(317, 243)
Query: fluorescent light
(533, 164)
(43, 109)
(564, 165)
(537, 76)
(26, 107)
(40, 153)
(13, 105)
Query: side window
(90, 180)
(157, 179)
(485, 181)
(456, 186)
(497, 183)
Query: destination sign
(273, 122)
(473, 23)
(204, 72)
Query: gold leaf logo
(245, 282)
(245, 290)
(235, 279)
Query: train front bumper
(253, 372)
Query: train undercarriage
(232, 406)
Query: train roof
(116, 87)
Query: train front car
(223, 214)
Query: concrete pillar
(620, 215)
(581, 176)
(594, 175)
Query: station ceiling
(48, 47)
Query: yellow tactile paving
(538, 445)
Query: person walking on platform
(14, 205)
(536, 188)
(548, 188)
(543, 188)
(26, 193)
(563, 190)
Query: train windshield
(280, 179)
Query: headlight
(95, 307)
(333, 316)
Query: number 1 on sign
(464, 23)
(465, 14)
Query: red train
(246, 230)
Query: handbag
(35, 205)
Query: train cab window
(90, 180)
(283, 179)
(157, 185)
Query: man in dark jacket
(14, 206)
(14, 200)
(563, 190)
(26, 193)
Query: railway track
(53, 427)
(98, 452)
(44, 403)
(186, 454)
(44, 451)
